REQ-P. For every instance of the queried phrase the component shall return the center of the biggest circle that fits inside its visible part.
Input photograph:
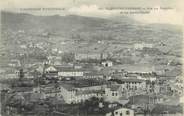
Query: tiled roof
(114, 87)
(136, 68)
(69, 69)
(22, 89)
(93, 74)
(132, 80)
(68, 87)
(120, 81)
(86, 92)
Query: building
(49, 69)
(113, 92)
(144, 76)
(144, 101)
(107, 63)
(140, 46)
(81, 90)
(65, 71)
(50, 90)
(93, 75)
(70, 72)
(120, 112)
(73, 95)
(131, 84)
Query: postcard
(91, 58)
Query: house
(144, 101)
(61, 71)
(50, 90)
(82, 96)
(70, 72)
(107, 63)
(51, 93)
(147, 76)
(140, 46)
(110, 109)
(72, 95)
(100, 108)
(120, 112)
(81, 90)
(68, 93)
(131, 84)
(93, 75)
(51, 75)
(50, 69)
(113, 92)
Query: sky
(99, 8)
(101, 3)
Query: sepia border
(14, 4)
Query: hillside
(56, 29)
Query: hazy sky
(93, 8)
(100, 3)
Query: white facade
(68, 95)
(70, 73)
(65, 73)
(77, 96)
(113, 94)
(50, 69)
(107, 63)
(121, 112)
(140, 46)
(134, 85)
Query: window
(135, 87)
(112, 94)
(116, 113)
(116, 94)
(121, 114)
(127, 112)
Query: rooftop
(61, 68)
(107, 109)
(86, 92)
(83, 83)
(120, 81)
(22, 89)
(93, 73)
(140, 68)
(114, 87)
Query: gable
(50, 69)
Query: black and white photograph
(91, 58)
